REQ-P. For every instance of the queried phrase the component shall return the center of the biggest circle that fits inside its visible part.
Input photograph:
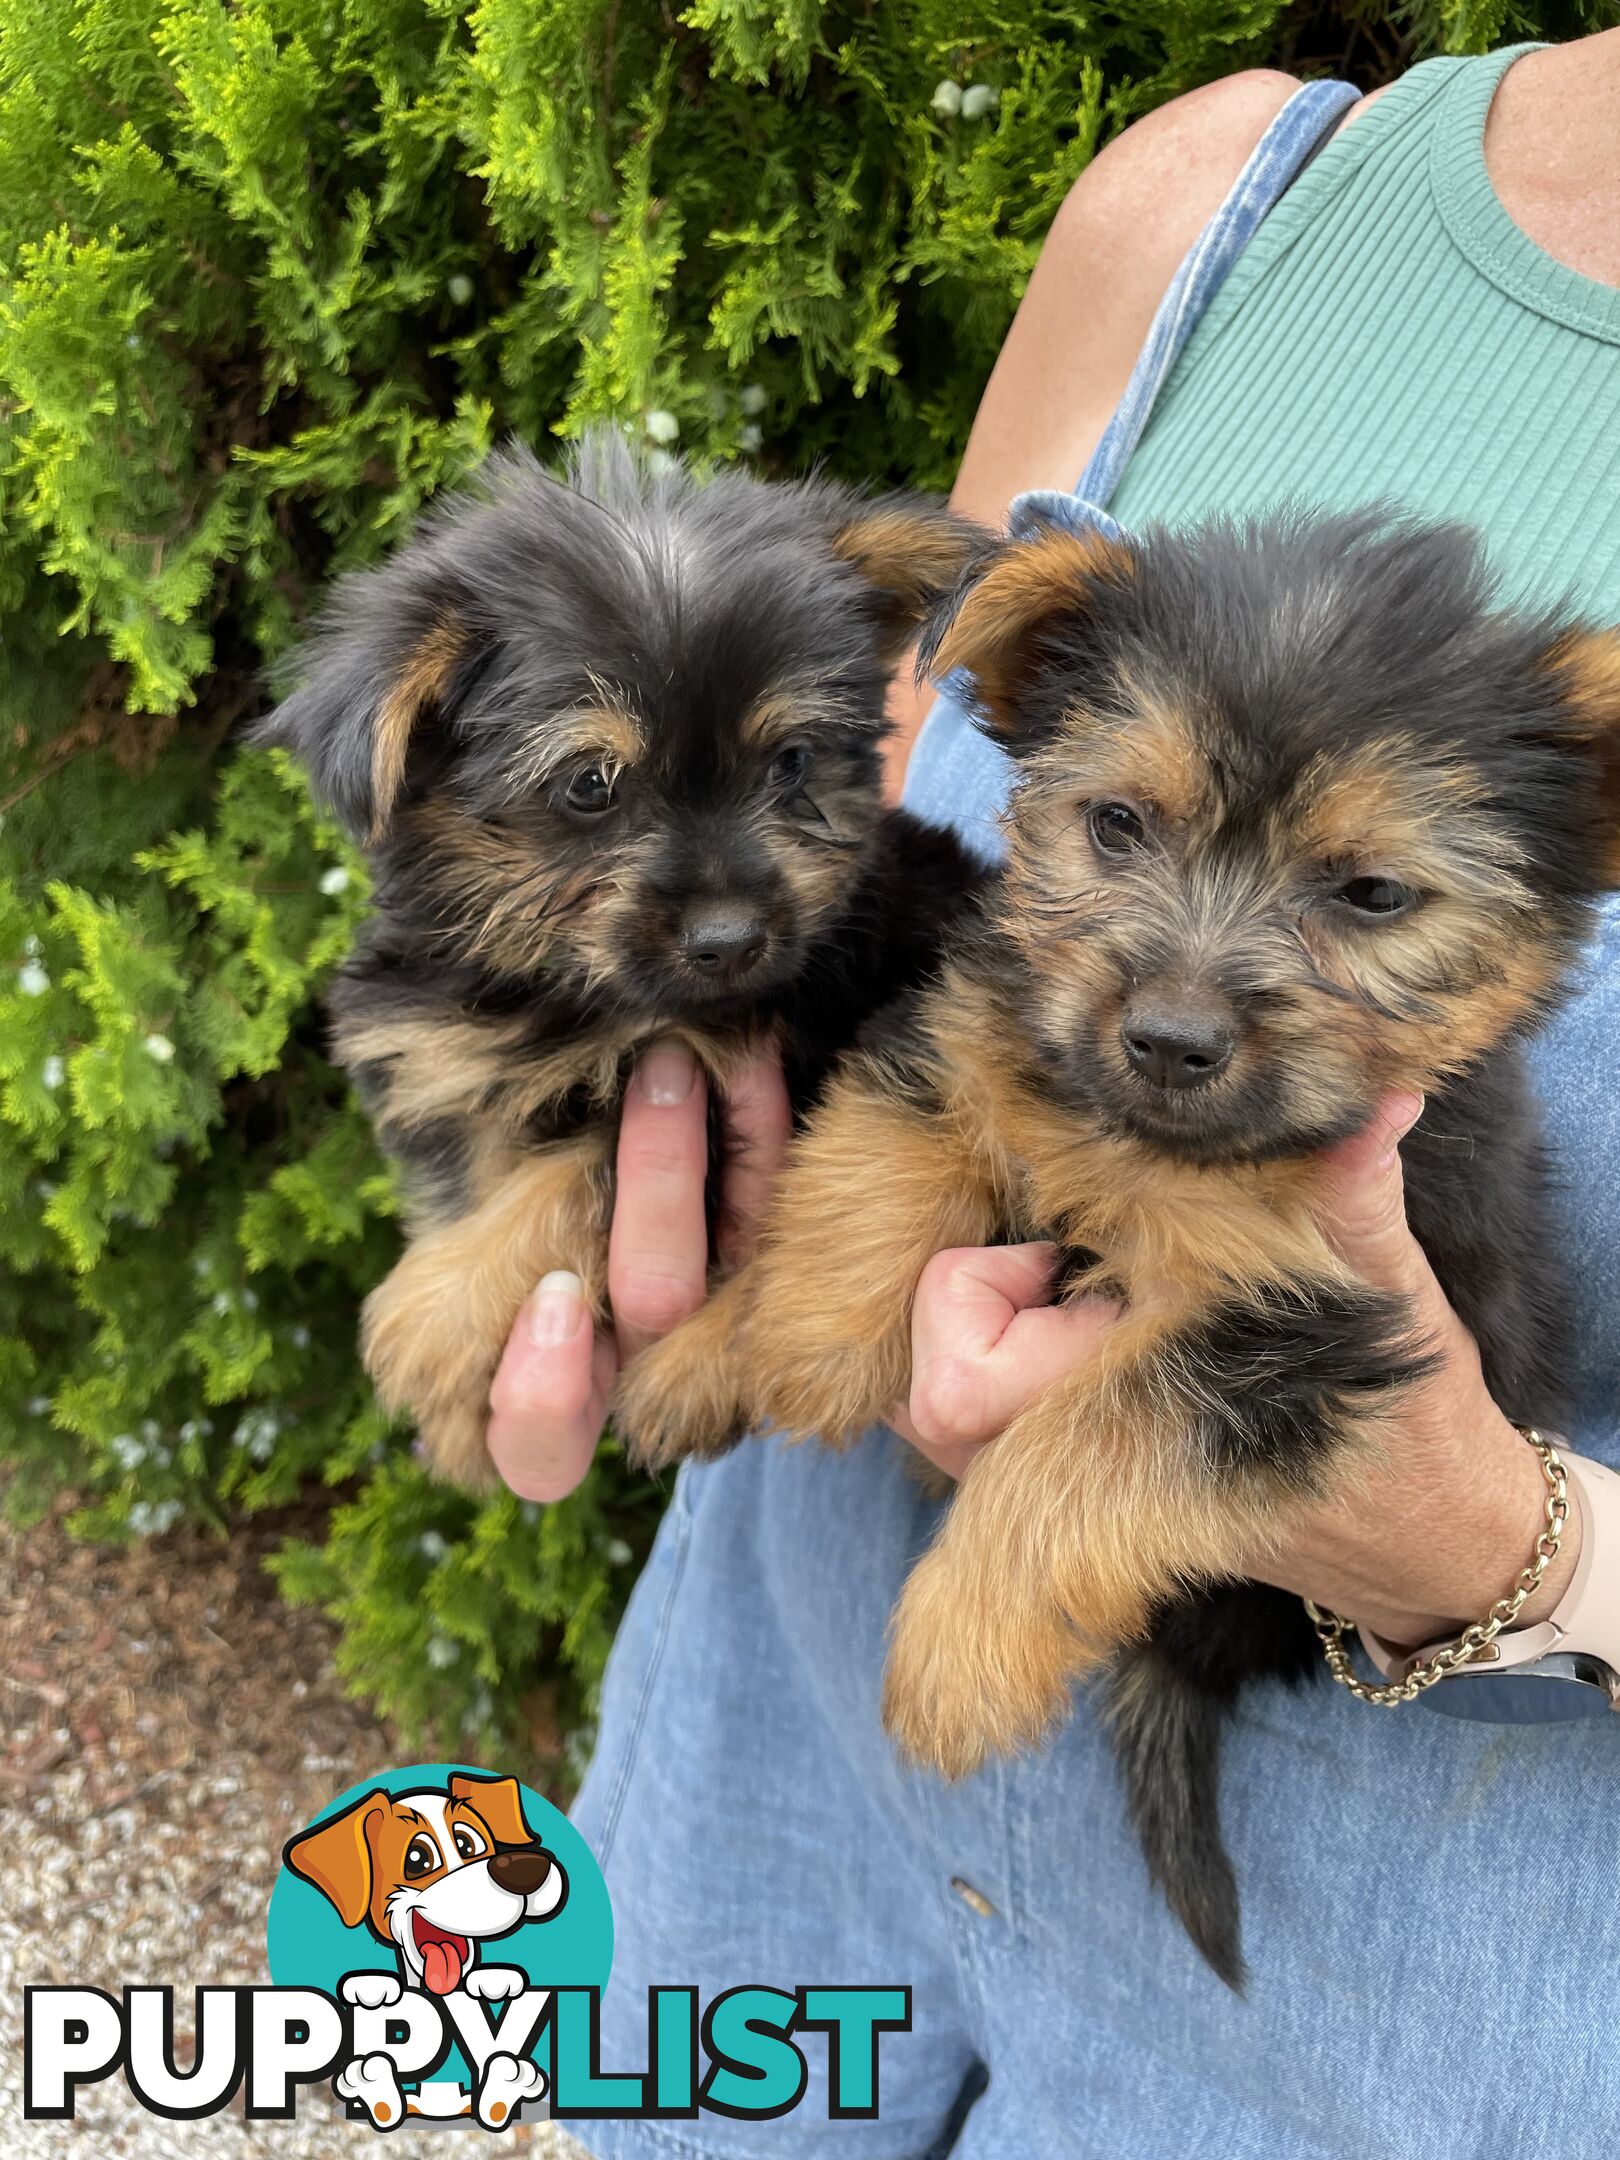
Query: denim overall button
(974, 1900)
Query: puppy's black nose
(1176, 1046)
(520, 1872)
(721, 941)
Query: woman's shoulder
(1157, 184)
(1217, 118)
(1113, 247)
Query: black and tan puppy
(612, 743)
(1303, 816)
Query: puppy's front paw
(430, 1358)
(676, 1400)
(495, 1983)
(371, 1990)
(968, 1680)
(932, 1717)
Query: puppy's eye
(1377, 896)
(590, 792)
(1115, 828)
(468, 1843)
(421, 1858)
(789, 766)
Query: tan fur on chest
(430, 1067)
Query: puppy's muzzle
(721, 943)
(1173, 1043)
(520, 1872)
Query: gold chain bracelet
(1483, 1633)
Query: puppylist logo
(438, 1944)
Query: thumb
(1364, 1210)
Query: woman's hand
(1420, 1547)
(550, 1396)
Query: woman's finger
(550, 1395)
(759, 1123)
(1364, 1214)
(985, 1341)
(658, 1250)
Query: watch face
(1553, 1691)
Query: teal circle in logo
(496, 1874)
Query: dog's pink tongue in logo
(443, 1955)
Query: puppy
(1304, 815)
(612, 745)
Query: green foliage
(270, 274)
(472, 1603)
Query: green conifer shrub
(270, 273)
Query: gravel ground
(165, 1724)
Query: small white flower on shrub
(257, 1431)
(335, 881)
(750, 437)
(32, 979)
(752, 399)
(159, 1049)
(460, 288)
(432, 1546)
(479, 1713)
(947, 100)
(977, 100)
(663, 427)
(53, 1072)
(150, 1518)
(442, 1652)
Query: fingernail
(556, 1309)
(1403, 1113)
(665, 1074)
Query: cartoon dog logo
(435, 1875)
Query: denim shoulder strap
(1302, 125)
(956, 776)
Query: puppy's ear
(1028, 605)
(1587, 666)
(336, 1857)
(911, 552)
(500, 1803)
(386, 659)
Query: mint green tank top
(1390, 334)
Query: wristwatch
(1566, 1666)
